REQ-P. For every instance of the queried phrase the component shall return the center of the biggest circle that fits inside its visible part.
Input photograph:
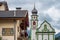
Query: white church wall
(33, 35)
(48, 27)
(45, 37)
(36, 23)
(31, 23)
(39, 37)
(50, 37)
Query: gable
(45, 27)
(3, 6)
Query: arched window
(34, 23)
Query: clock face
(34, 23)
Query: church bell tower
(34, 23)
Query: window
(7, 31)
(11, 31)
(34, 23)
(3, 31)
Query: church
(44, 32)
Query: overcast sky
(47, 9)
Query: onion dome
(34, 11)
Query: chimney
(18, 8)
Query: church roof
(17, 13)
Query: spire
(34, 5)
(34, 11)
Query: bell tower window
(34, 23)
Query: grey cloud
(57, 26)
(43, 16)
(20, 3)
(57, 6)
(48, 18)
(54, 24)
(58, 22)
(46, 4)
